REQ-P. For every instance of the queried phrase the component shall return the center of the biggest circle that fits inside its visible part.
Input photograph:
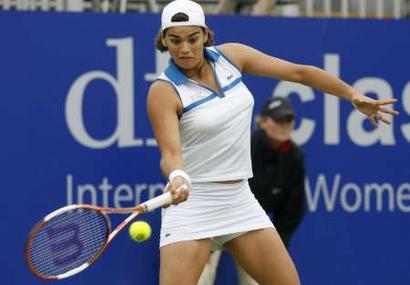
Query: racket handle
(159, 201)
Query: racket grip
(157, 202)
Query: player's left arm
(254, 62)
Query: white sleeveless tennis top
(214, 129)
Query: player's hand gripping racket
(68, 240)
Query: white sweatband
(180, 173)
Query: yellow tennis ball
(139, 231)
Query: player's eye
(175, 41)
(193, 40)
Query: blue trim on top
(212, 96)
(206, 87)
(200, 102)
(217, 80)
(177, 77)
(175, 74)
(211, 54)
(232, 84)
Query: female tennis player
(200, 111)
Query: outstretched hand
(375, 110)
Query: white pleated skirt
(213, 210)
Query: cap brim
(283, 115)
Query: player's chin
(186, 63)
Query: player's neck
(199, 71)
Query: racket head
(67, 241)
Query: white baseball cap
(192, 9)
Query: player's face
(185, 45)
(278, 131)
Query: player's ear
(206, 35)
(163, 41)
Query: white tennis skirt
(213, 210)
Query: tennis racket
(68, 240)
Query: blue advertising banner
(75, 130)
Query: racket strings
(67, 241)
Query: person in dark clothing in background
(278, 167)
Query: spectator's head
(183, 21)
(277, 118)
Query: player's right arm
(164, 109)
